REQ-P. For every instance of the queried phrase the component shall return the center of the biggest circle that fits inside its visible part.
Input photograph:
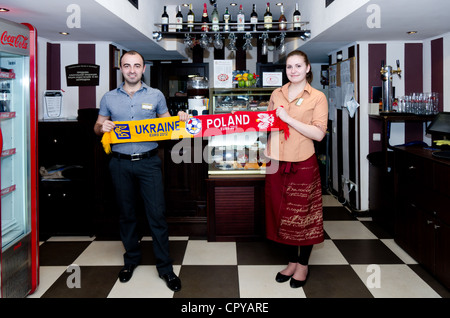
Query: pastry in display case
(239, 153)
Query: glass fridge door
(15, 143)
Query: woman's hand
(282, 114)
(183, 116)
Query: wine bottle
(215, 19)
(254, 18)
(268, 18)
(282, 20)
(179, 20)
(205, 19)
(190, 19)
(240, 19)
(165, 21)
(226, 20)
(296, 18)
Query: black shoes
(298, 283)
(172, 281)
(280, 278)
(126, 273)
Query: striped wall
(423, 70)
(58, 56)
(413, 80)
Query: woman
(293, 189)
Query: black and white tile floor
(357, 260)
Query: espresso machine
(198, 92)
(387, 90)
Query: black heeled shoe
(298, 283)
(280, 278)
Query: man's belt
(135, 156)
(198, 126)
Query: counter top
(420, 151)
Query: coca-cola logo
(18, 41)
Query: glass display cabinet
(243, 153)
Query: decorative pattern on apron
(294, 213)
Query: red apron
(294, 203)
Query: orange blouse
(309, 107)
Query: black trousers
(295, 257)
(142, 177)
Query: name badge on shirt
(299, 102)
(147, 106)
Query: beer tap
(398, 71)
(386, 76)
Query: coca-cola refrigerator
(19, 256)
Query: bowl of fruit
(245, 79)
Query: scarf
(166, 128)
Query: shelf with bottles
(215, 23)
(248, 27)
(6, 77)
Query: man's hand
(107, 126)
(183, 116)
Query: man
(138, 163)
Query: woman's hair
(309, 75)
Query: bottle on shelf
(165, 21)
(190, 19)
(282, 20)
(226, 20)
(215, 19)
(296, 19)
(268, 18)
(254, 18)
(240, 19)
(205, 19)
(179, 20)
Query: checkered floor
(357, 260)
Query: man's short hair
(132, 52)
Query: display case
(242, 153)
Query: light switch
(376, 137)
